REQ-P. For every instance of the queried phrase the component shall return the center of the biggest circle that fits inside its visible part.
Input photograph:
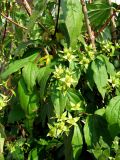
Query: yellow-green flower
(75, 107)
(72, 121)
(68, 80)
(58, 71)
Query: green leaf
(30, 72)
(68, 146)
(1, 156)
(43, 75)
(77, 142)
(100, 111)
(47, 111)
(23, 95)
(99, 74)
(96, 127)
(29, 104)
(33, 155)
(102, 149)
(59, 102)
(74, 96)
(22, 47)
(109, 66)
(73, 17)
(113, 115)
(29, 124)
(16, 65)
(98, 13)
(15, 114)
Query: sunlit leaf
(113, 116)
(16, 65)
(77, 142)
(72, 12)
(30, 73)
(94, 128)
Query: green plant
(60, 89)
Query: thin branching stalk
(27, 7)
(10, 20)
(105, 24)
(87, 22)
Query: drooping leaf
(23, 95)
(75, 98)
(96, 127)
(72, 12)
(30, 72)
(99, 75)
(113, 115)
(43, 75)
(59, 102)
(47, 111)
(29, 104)
(77, 142)
(109, 66)
(16, 65)
(74, 95)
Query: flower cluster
(62, 125)
(87, 56)
(3, 101)
(68, 54)
(64, 77)
(114, 81)
(107, 47)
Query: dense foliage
(60, 80)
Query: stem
(10, 20)
(87, 22)
(58, 13)
(105, 24)
(27, 7)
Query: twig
(27, 7)
(58, 13)
(46, 51)
(87, 22)
(104, 25)
(107, 22)
(10, 20)
(44, 28)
